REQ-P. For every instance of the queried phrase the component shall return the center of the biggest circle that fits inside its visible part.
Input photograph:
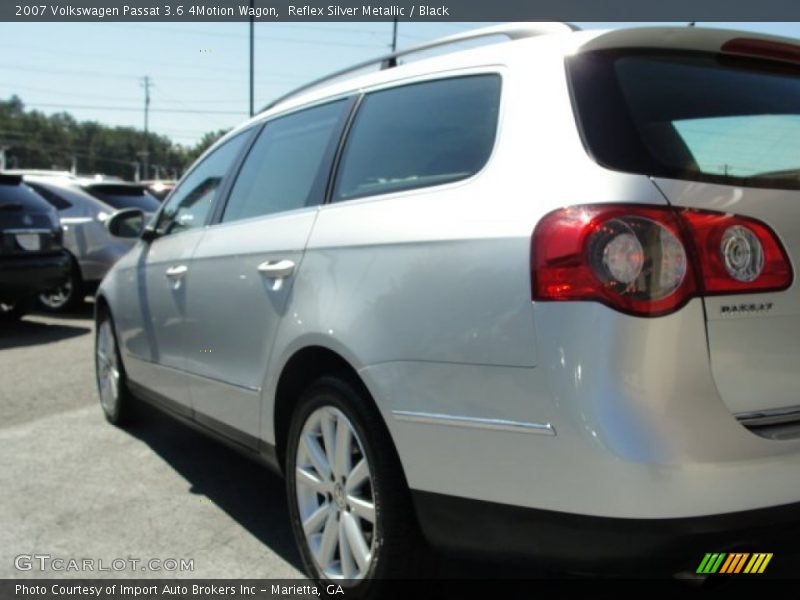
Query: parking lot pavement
(76, 487)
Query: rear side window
(695, 116)
(420, 135)
(54, 199)
(284, 163)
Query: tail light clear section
(651, 260)
(737, 254)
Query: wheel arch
(302, 368)
(101, 307)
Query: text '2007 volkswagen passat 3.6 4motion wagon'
(534, 298)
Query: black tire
(65, 298)
(122, 411)
(398, 550)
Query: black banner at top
(403, 10)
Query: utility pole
(146, 84)
(394, 35)
(252, 57)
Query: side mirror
(126, 223)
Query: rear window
(694, 116)
(420, 135)
(15, 196)
(124, 196)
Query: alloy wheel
(335, 495)
(108, 377)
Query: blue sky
(199, 70)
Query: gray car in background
(83, 207)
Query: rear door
(721, 131)
(243, 269)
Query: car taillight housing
(651, 260)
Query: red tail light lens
(737, 254)
(651, 260)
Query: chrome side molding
(473, 422)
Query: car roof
(557, 42)
(561, 39)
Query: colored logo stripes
(735, 562)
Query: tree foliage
(34, 140)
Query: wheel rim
(58, 297)
(107, 368)
(335, 495)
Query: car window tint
(54, 199)
(14, 196)
(283, 164)
(190, 203)
(689, 115)
(124, 196)
(420, 135)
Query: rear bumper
(613, 545)
(23, 276)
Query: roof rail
(513, 31)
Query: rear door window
(420, 135)
(284, 163)
(695, 116)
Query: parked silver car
(535, 299)
(83, 207)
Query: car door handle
(276, 269)
(176, 272)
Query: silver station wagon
(534, 299)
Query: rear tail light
(737, 255)
(651, 260)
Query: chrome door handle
(176, 271)
(276, 269)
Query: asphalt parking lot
(76, 487)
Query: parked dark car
(83, 209)
(32, 258)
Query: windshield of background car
(695, 116)
(124, 196)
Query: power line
(105, 74)
(15, 88)
(266, 38)
(135, 109)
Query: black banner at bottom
(263, 589)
